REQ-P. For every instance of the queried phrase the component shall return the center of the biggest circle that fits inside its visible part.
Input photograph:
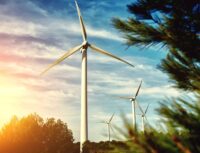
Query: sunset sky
(34, 33)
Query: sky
(34, 33)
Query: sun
(10, 94)
(10, 90)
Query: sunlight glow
(10, 93)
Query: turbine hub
(85, 44)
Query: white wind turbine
(108, 123)
(133, 102)
(143, 116)
(83, 48)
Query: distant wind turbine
(133, 101)
(83, 48)
(109, 126)
(143, 115)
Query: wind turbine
(83, 48)
(109, 126)
(133, 102)
(143, 115)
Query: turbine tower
(109, 126)
(83, 48)
(133, 102)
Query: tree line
(173, 24)
(33, 134)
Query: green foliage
(180, 134)
(32, 134)
(102, 146)
(174, 24)
(184, 116)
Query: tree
(102, 146)
(33, 134)
(179, 135)
(171, 23)
(174, 24)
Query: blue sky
(34, 33)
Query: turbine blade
(138, 89)
(84, 34)
(146, 109)
(112, 129)
(108, 54)
(111, 118)
(102, 122)
(146, 119)
(125, 97)
(140, 107)
(67, 54)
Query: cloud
(45, 27)
(33, 38)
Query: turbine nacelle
(85, 44)
(143, 115)
(132, 99)
(109, 125)
(83, 48)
